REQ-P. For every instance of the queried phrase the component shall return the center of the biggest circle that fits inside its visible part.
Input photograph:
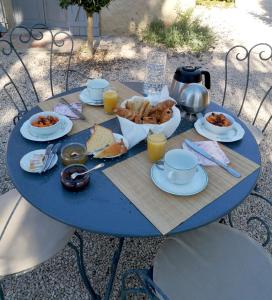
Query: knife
(211, 158)
(74, 110)
(51, 156)
(46, 157)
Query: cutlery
(73, 109)
(74, 175)
(211, 158)
(46, 157)
(51, 156)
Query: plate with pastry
(33, 161)
(103, 143)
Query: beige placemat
(166, 211)
(94, 115)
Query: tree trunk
(90, 32)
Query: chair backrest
(20, 36)
(263, 51)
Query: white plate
(233, 135)
(66, 127)
(85, 98)
(25, 160)
(197, 185)
(118, 137)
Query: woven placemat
(166, 211)
(93, 114)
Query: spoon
(76, 174)
(75, 155)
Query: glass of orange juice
(156, 144)
(110, 99)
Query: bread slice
(100, 138)
(115, 149)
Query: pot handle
(207, 79)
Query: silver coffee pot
(188, 90)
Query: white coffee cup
(96, 88)
(180, 166)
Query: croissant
(123, 112)
(149, 120)
(166, 115)
(164, 105)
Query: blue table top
(102, 208)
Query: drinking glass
(110, 99)
(156, 144)
(154, 73)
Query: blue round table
(102, 208)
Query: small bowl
(218, 129)
(77, 184)
(73, 153)
(37, 131)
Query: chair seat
(213, 262)
(27, 236)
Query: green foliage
(186, 32)
(224, 3)
(90, 6)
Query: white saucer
(197, 185)
(85, 98)
(66, 127)
(118, 137)
(233, 135)
(25, 160)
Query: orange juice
(156, 143)
(110, 99)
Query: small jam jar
(74, 153)
(77, 184)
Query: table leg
(82, 269)
(114, 265)
(1, 293)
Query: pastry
(166, 115)
(140, 111)
(100, 138)
(114, 149)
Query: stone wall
(129, 16)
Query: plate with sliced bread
(110, 144)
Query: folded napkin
(64, 110)
(212, 148)
(134, 133)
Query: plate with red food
(46, 126)
(220, 127)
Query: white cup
(180, 166)
(96, 88)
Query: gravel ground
(124, 59)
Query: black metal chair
(155, 285)
(21, 35)
(212, 262)
(16, 209)
(242, 54)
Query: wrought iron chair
(21, 35)
(27, 237)
(180, 269)
(21, 225)
(243, 54)
(212, 262)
